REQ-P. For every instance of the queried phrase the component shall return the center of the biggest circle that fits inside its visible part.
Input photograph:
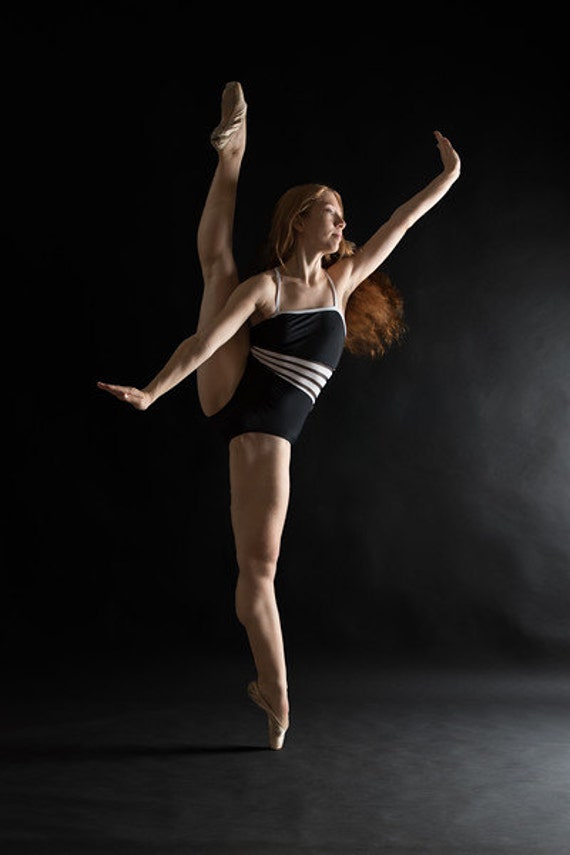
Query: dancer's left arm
(350, 272)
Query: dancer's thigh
(260, 488)
(218, 377)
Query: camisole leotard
(293, 354)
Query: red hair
(375, 310)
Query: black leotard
(292, 355)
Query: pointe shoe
(234, 109)
(276, 730)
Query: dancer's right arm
(253, 295)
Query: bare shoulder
(263, 289)
(259, 281)
(266, 278)
(341, 273)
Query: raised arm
(350, 272)
(197, 348)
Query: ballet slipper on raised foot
(234, 109)
(276, 729)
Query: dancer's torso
(292, 356)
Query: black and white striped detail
(310, 377)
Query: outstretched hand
(449, 157)
(135, 397)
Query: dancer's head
(314, 206)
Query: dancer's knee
(255, 588)
(258, 564)
(219, 269)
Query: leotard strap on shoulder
(278, 291)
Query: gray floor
(164, 755)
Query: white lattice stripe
(310, 377)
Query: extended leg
(218, 377)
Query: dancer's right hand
(135, 397)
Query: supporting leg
(259, 474)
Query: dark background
(430, 501)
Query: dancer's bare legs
(259, 476)
(219, 376)
(259, 463)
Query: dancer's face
(323, 225)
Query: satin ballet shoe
(234, 109)
(276, 730)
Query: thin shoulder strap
(278, 292)
(331, 283)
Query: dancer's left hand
(449, 157)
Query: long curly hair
(375, 310)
